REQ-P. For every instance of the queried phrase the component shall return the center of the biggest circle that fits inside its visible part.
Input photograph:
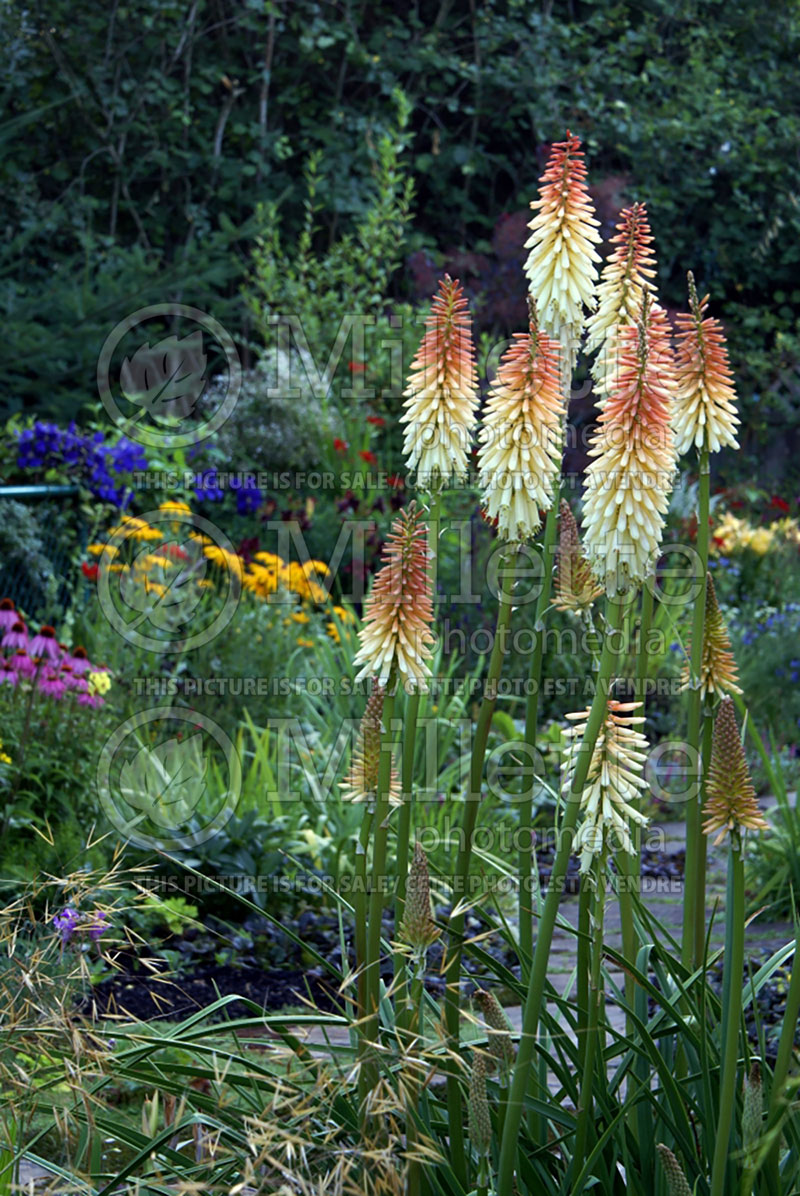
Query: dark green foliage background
(138, 139)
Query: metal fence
(41, 581)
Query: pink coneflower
(93, 700)
(8, 614)
(79, 661)
(17, 636)
(45, 643)
(23, 664)
(52, 685)
(8, 674)
(69, 678)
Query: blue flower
(66, 922)
(207, 487)
(248, 496)
(91, 460)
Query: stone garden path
(664, 900)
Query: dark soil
(146, 997)
(259, 961)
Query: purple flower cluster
(89, 459)
(69, 922)
(248, 495)
(40, 660)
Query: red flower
(779, 504)
(357, 367)
(377, 421)
(369, 457)
(175, 551)
(89, 571)
(340, 445)
(396, 481)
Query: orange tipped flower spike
(442, 392)
(629, 481)
(625, 278)
(521, 437)
(561, 265)
(396, 633)
(705, 411)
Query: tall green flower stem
(407, 777)
(695, 884)
(380, 832)
(595, 1005)
(583, 967)
(538, 976)
(642, 678)
(706, 739)
(452, 967)
(360, 908)
(731, 989)
(416, 1029)
(531, 722)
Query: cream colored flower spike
(705, 400)
(521, 437)
(396, 633)
(630, 478)
(441, 398)
(561, 268)
(625, 278)
(613, 782)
